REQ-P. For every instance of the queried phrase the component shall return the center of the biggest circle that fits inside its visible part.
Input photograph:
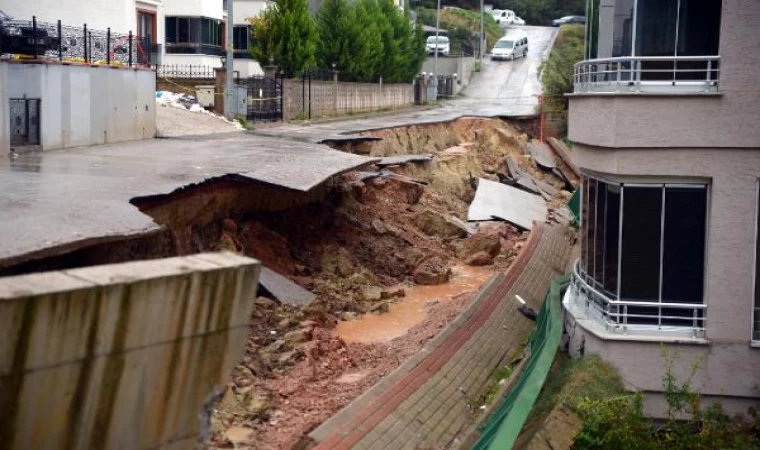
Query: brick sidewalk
(430, 399)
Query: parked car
(518, 21)
(17, 37)
(568, 19)
(442, 46)
(511, 46)
(503, 16)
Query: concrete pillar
(220, 74)
(5, 128)
(270, 71)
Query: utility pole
(437, 27)
(482, 44)
(229, 94)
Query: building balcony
(629, 319)
(648, 75)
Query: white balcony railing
(648, 74)
(627, 317)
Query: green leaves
(285, 35)
(368, 39)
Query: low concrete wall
(121, 356)
(329, 98)
(86, 105)
(460, 65)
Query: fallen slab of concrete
(398, 160)
(496, 200)
(283, 290)
(542, 155)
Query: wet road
(502, 88)
(63, 199)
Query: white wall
(245, 9)
(196, 60)
(5, 129)
(84, 105)
(120, 15)
(247, 67)
(212, 9)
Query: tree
(285, 34)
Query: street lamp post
(229, 97)
(437, 27)
(482, 44)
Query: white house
(143, 17)
(244, 10)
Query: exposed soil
(356, 250)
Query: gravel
(175, 122)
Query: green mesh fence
(500, 430)
(574, 205)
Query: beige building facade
(665, 120)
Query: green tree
(288, 36)
(334, 32)
(372, 22)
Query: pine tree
(287, 36)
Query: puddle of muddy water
(412, 309)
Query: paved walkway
(428, 401)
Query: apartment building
(243, 11)
(664, 120)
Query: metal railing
(33, 39)
(756, 325)
(185, 71)
(659, 74)
(637, 317)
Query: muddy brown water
(412, 309)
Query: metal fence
(446, 86)
(184, 71)
(55, 41)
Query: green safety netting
(500, 430)
(574, 205)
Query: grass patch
(453, 19)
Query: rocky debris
(238, 435)
(482, 241)
(380, 308)
(337, 262)
(435, 224)
(431, 272)
(379, 227)
(377, 293)
(388, 186)
(479, 259)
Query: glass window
(611, 240)
(684, 244)
(599, 229)
(642, 223)
(591, 228)
(171, 30)
(183, 30)
(622, 35)
(240, 37)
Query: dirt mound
(373, 232)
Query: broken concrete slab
(542, 155)
(546, 187)
(283, 290)
(468, 228)
(496, 200)
(512, 167)
(398, 160)
(561, 150)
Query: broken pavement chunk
(284, 290)
(542, 155)
(398, 160)
(498, 200)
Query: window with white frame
(643, 245)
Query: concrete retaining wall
(121, 356)
(86, 105)
(329, 98)
(460, 65)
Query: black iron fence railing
(184, 71)
(33, 39)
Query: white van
(503, 16)
(511, 46)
